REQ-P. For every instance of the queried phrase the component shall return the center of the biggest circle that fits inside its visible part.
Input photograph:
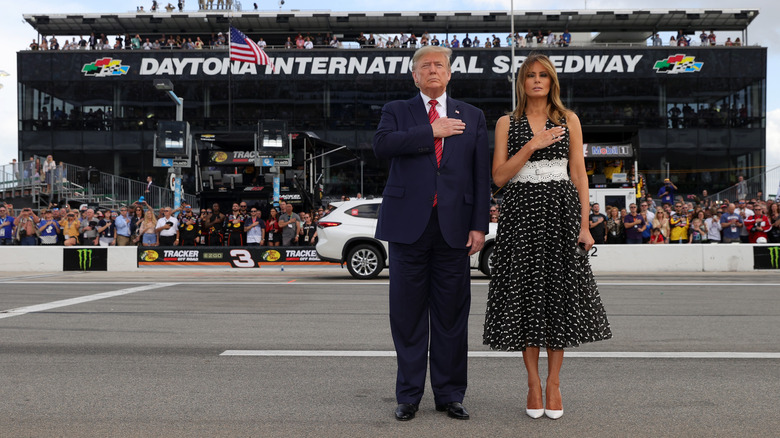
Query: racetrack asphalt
(307, 352)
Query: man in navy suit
(434, 216)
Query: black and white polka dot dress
(542, 292)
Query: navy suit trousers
(430, 298)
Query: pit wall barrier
(604, 258)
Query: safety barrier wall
(607, 258)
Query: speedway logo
(678, 64)
(105, 67)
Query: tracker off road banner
(245, 257)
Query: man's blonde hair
(424, 50)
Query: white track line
(85, 299)
(306, 282)
(500, 354)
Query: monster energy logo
(774, 257)
(85, 259)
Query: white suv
(346, 235)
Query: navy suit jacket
(462, 182)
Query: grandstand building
(698, 112)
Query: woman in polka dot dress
(542, 292)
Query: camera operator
(88, 228)
(168, 228)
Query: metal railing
(109, 191)
(768, 183)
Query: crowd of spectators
(684, 40)
(530, 39)
(139, 224)
(127, 42)
(752, 220)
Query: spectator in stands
(188, 228)
(299, 41)
(106, 228)
(634, 224)
(234, 227)
(661, 222)
(455, 43)
(290, 224)
(122, 227)
(148, 229)
(666, 192)
(167, 227)
(774, 218)
(598, 224)
(566, 38)
(712, 222)
(496, 41)
(361, 40)
(615, 228)
(34, 45)
(741, 187)
(272, 231)
(88, 228)
(26, 227)
(308, 44)
(744, 210)
(49, 168)
(6, 226)
(679, 224)
(215, 222)
(466, 43)
(758, 225)
(656, 237)
(135, 221)
(254, 227)
(335, 44)
(697, 232)
(48, 229)
(712, 37)
(308, 230)
(737, 42)
(371, 42)
(648, 216)
(70, 229)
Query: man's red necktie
(433, 114)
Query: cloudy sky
(15, 34)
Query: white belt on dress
(543, 171)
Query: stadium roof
(350, 23)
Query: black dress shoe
(454, 410)
(405, 411)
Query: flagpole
(230, 73)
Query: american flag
(243, 49)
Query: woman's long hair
(556, 110)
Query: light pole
(167, 86)
(512, 57)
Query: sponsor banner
(85, 259)
(474, 63)
(244, 257)
(766, 257)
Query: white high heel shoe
(534, 413)
(553, 414)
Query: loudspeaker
(81, 177)
(94, 176)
